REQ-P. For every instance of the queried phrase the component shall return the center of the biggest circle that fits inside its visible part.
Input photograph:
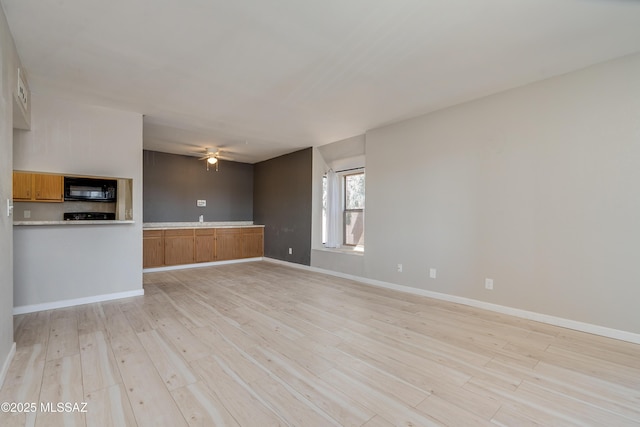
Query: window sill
(344, 250)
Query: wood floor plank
(377, 421)
(34, 329)
(173, 369)
(290, 405)
(608, 371)
(189, 346)
(122, 337)
(236, 395)
(138, 319)
(109, 407)
(63, 336)
(264, 344)
(99, 367)
(61, 384)
(593, 391)
(201, 407)
(377, 401)
(450, 414)
(615, 392)
(24, 377)
(151, 401)
(521, 415)
(331, 400)
(578, 411)
(90, 318)
(377, 379)
(23, 383)
(312, 361)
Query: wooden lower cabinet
(152, 248)
(178, 246)
(189, 245)
(252, 242)
(205, 245)
(228, 243)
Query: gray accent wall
(173, 183)
(282, 202)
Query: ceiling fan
(213, 158)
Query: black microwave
(90, 189)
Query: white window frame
(342, 197)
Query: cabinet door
(22, 184)
(152, 248)
(205, 245)
(178, 247)
(228, 243)
(253, 242)
(48, 187)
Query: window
(324, 209)
(343, 209)
(353, 213)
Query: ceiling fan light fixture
(212, 160)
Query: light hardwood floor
(260, 344)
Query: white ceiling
(267, 77)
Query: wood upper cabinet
(37, 187)
(152, 248)
(48, 187)
(22, 186)
(205, 245)
(178, 246)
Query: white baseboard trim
(6, 364)
(77, 301)
(524, 314)
(200, 264)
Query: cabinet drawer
(228, 231)
(205, 231)
(152, 233)
(179, 232)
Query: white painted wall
(536, 188)
(344, 154)
(8, 64)
(54, 263)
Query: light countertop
(71, 222)
(196, 224)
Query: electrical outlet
(27, 214)
(488, 284)
(399, 268)
(432, 273)
(201, 203)
(290, 251)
